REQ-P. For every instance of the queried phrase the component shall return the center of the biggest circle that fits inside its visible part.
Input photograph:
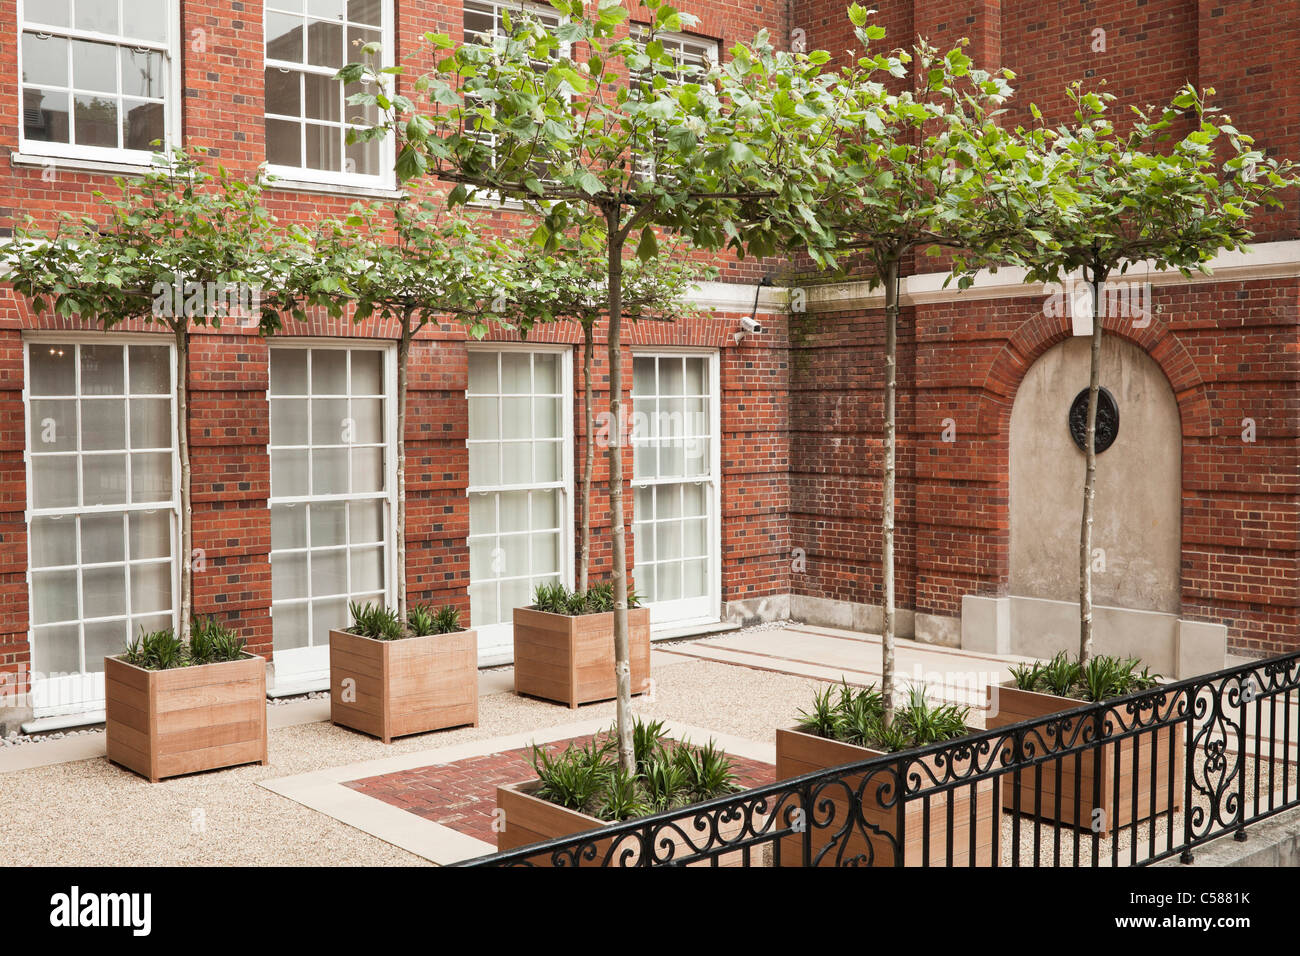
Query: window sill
(79, 164)
(285, 184)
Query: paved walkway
(831, 654)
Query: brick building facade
(789, 504)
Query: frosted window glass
(54, 596)
(54, 481)
(329, 572)
(289, 473)
(367, 372)
(288, 576)
(104, 480)
(102, 370)
(515, 593)
(517, 464)
(696, 376)
(367, 521)
(367, 570)
(103, 639)
(668, 503)
(482, 514)
(695, 578)
(516, 374)
(288, 527)
(151, 588)
(368, 420)
(514, 511)
(483, 418)
(329, 421)
(546, 553)
(480, 558)
(546, 374)
(326, 615)
(328, 524)
(329, 471)
(102, 539)
(695, 500)
(482, 372)
(484, 609)
(288, 421)
(57, 649)
(516, 418)
(151, 477)
(54, 425)
(484, 464)
(546, 509)
(329, 372)
(695, 537)
(53, 369)
(668, 541)
(151, 423)
(546, 462)
(104, 591)
(150, 534)
(546, 418)
(103, 424)
(288, 371)
(643, 376)
(289, 626)
(54, 542)
(367, 470)
(151, 372)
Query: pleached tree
(595, 132)
(185, 245)
(913, 176)
(1098, 201)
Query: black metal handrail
(1072, 778)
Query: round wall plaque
(1107, 420)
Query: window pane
(546, 462)
(368, 570)
(151, 423)
(150, 534)
(103, 423)
(102, 539)
(330, 9)
(54, 596)
(45, 60)
(367, 372)
(94, 67)
(323, 97)
(482, 514)
(145, 19)
(143, 125)
(95, 121)
(367, 470)
(151, 588)
(57, 649)
(103, 639)
(484, 464)
(150, 370)
(326, 615)
(142, 73)
(53, 370)
(54, 425)
(151, 477)
(46, 116)
(54, 542)
(546, 510)
(483, 373)
(546, 374)
(283, 143)
(513, 511)
(288, 526)
(289, 470)
(483, 422)
(363, 159)
(54, 481)
(329, 471)
(324, 44)
(329, 371)
(53, 12)
(283, 37)
(516, 375)
(283, 91)
(104, 591)
(328, 524)
(97, 15)
(288, 578)
(288, 371)
(329, 421)
(516, 417)
(369, 12)
(101, 370)
(289, 625)
(546, 553)
(367, 521)
(324, 147)
(517, 464)
(329, 572)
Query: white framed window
(333, 494)
(693, 56)
(99, 79)
(675, 479)
(482, 19)
(520, 483)
(307, 112)
(103, 507)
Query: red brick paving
(462, 795)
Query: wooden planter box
(798, 753)
(571, 659)
(527, 819)
(409, 686)
(1015, 705)
(166, 723)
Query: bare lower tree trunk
(403, 360)
(887, 491)
(1090, 474)
(589, 459)
(183, 446)
(622, 652)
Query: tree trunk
(887, 491)
(1090, 474)
(183, 447)
(589, 458)
(622, 652)
(403, 360)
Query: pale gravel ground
(92, 813)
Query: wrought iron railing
(1130, 781)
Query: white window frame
(289, 175)
(495, 640)
(172, 102)
(547, 13)
(389, 496)
(708, 50)
(84, 692)
(667, 615)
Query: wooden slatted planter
(409, 686)
(798, 753)
(186, 719)
(528, 819)
(571, 659)
(1162, 745)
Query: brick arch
(1038, 334)
(1026, 345)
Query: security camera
(751, 325)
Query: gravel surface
(92, 813)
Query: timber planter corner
(570, 658)
(879, 836)
(1132, 779)
(163, 723)
(410, 685)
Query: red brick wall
(1230, 351)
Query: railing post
(1240, 835)
(805, 797)
(1189, 771)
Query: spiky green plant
(624, 797)
(647, 742)
(820, 719)
(1060, 675)
(156, 650)
(708, 770)
(419, 618)
(1026, 676)
(666, 783)
(574, 778)
(211, 642)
